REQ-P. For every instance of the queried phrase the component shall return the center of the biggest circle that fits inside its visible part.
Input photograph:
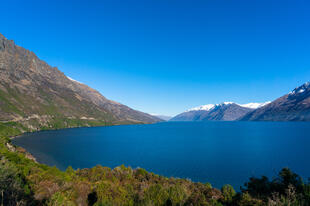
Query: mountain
(36, 95)
(227, 111)
(163, 117)
(294, 106)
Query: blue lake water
(215, 152)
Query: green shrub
(228, 193)
(13, 187)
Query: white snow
(206, 107)
(226, 103)
(74, 80)
(300, 89)
(254, 105)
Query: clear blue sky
(166, 56)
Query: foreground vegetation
(25, 182)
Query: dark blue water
(215, 152)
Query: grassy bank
(25, 182)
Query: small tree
(228, 193)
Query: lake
(216, 152)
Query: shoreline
(138, 175)
(30, 156)
(62, 167)
(65, 128)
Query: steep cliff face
(39, 95)
(294, 106)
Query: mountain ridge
(38, 95)
(207, 107)
(294, 106)
(226, 111)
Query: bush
(228, 193)
(13, 190)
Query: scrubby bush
(228, 193)
(13, 187)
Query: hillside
(294, 106)
(40, 96)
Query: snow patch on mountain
(300, 89)
(74, 80)
(254, 105)
(206, 107)
(225, 103)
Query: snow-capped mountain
(209, 107)
(294, 106)
(226, 111)
(301, 89)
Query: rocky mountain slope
(227, 111)
(294, 106)
(38, 95)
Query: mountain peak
(206, 107)
(294, 106)
(227, 103)
(226, 111)
(300, 89)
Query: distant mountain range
(163, 117)
(294, 106)
(227, 111)
(36, 95)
